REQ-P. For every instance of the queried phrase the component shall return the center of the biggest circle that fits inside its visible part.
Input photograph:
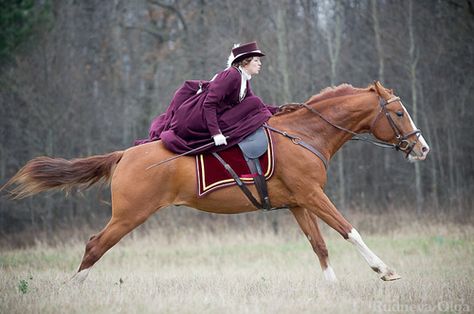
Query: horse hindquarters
(137, 193)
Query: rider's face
(254, 66)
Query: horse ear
(377, 86)
(380, 89)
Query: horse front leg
(319, 204)
(310, 228)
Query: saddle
(257, 150)
(252, 147)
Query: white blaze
(421, 139)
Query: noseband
(402, 139)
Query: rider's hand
(219, 139)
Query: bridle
(402, 139)
(403, 144)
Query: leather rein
(402, 139)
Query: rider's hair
(242, 62)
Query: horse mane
(287, 108)
(328, 92)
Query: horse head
(394, 125)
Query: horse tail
(45, 173)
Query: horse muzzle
(418, 150)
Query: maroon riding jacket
(192, 119)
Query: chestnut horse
(326, 121)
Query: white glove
(219, 139)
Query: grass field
(245, 272)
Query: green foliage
(19, 19)
(23, 286)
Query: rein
(403, 144)
(298, 141)
(356, 136)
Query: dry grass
(245, 272)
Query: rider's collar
(245, 75)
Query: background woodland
(80, 78)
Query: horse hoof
(391, 275)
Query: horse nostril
(424, 149)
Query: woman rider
(224, 110)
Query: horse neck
(353, 112)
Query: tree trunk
(381, 64)
(378, 41)
(414, 98)
(333, 39)
(282, 54)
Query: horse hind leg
(98, 244)
(309, 225)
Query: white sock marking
(329, 274)
(372, 259)
(80, 276)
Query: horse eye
(399, 113)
